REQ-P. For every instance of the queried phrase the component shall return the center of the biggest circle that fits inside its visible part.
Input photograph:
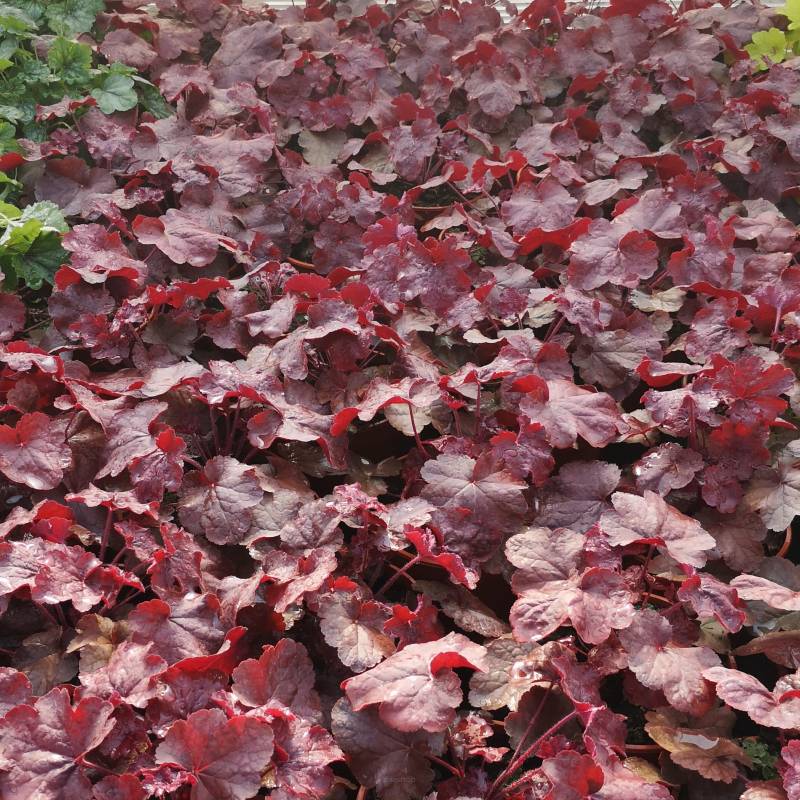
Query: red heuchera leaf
(552, 586)
(779, 708)
(777, 595)
(15, 690)
(419, 323)
(650, 519)
(660, 664)
(569, 411)
(712, 598)
(129, 675)
(355, 628)
(610, 252)
(416, 688)
(42, 746)
(790, 769)
(179, 237)
(182, 629)
(473, 498)
(381, 757)
(217, 501)
(572, 776)
(34, 451)
(225, 757)
(282, 677)
(303, 755)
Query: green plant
(775, 45)
(763, 758)
(30, 243)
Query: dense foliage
(398, 402)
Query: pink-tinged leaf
(119, 787)
(225, 757)
(790, 769)
(476, 502)
(179, 237)
(12, 316)
(217, 501)
(15, 690)
(546, 206)
(661, 664)
(129, 675)
(572, 776)
(416, 687)
(576, 497)
(355, 628)
(775, 494)
(571, 411)
(764, 790)
(510, 670)
(753, 587)
(34, 452)
(302, 768)
(392, 762)
(282, 677)
(650, 519)
(525, 454)
(610, 252)
(414, 626)
(42, 746)
(129, 436)
(711, 598)
(552, 587)
(666, 468)
(296, 576)
(180, 629)
(779, 708)
(621, 783)
(64, 575)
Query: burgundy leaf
(225, 757)
(42, 746)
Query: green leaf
(767, 47)
(70, 61)
(48, 213)
(8, 213)
(14, 19)
(34, 9)
(70, 17)
(791, 10)
(32, 71)
(153, 102)
(8, 137)
(9, 47)
(764, 762)
(41, 262)
(18, 238)
(115, 94)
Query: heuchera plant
(413, 413)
